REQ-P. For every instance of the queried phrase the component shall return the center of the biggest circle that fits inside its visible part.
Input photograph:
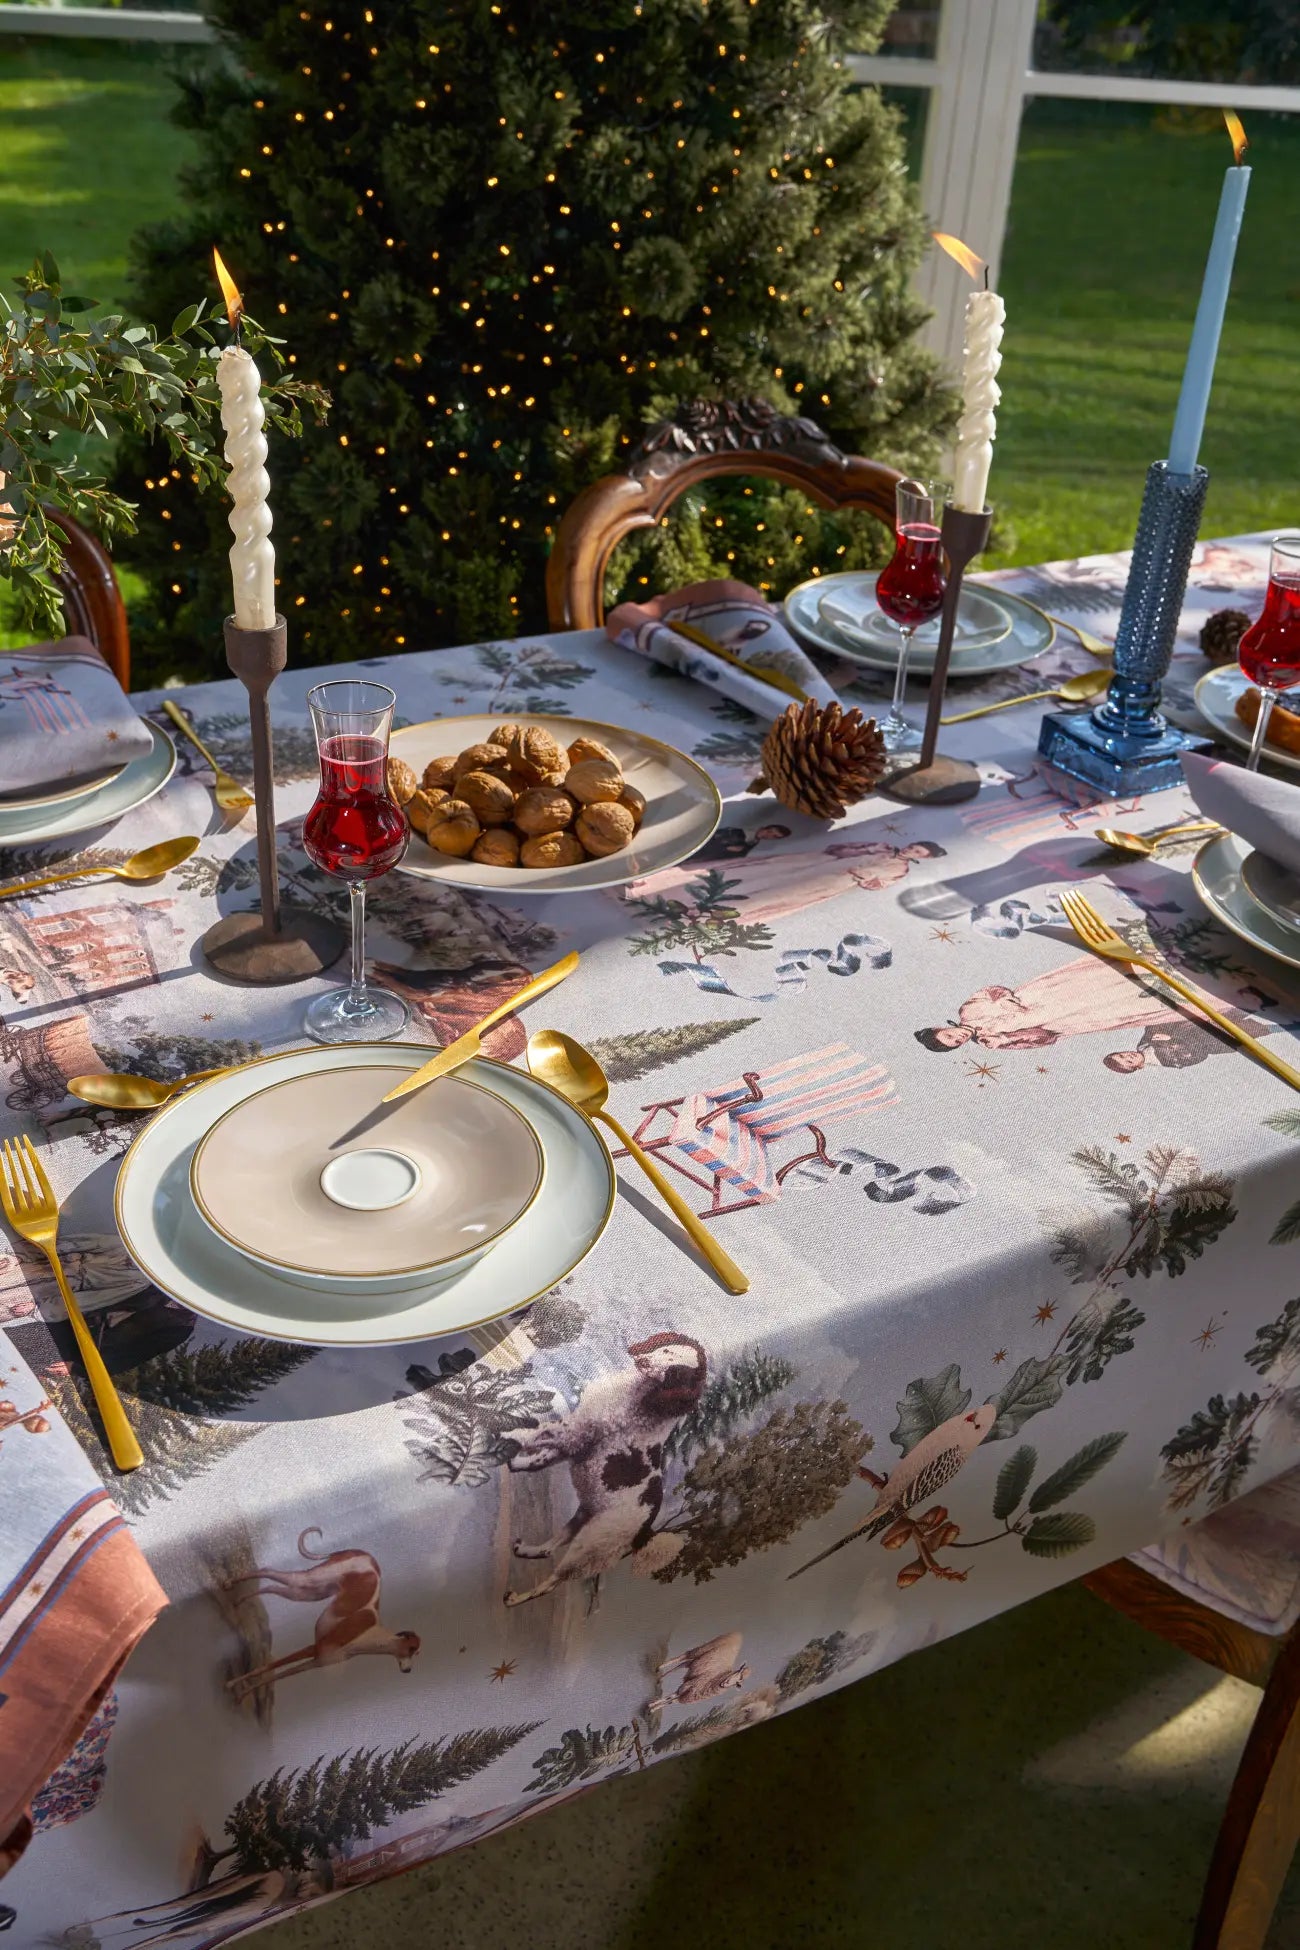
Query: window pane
(1197, 40)
(913, 30)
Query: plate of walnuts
(545, 805)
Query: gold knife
(776, 678)
(467, 1045)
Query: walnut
(475, 757)
(499, 848)
(535, 755)
(604, 828)
(402, 782)
(505, 735)
(551, 850)
(439, 772)
(453, 828)
(421, 807)
(489, 798)
(594, 780)
(634, 802)
(543, 809)
(584, 748)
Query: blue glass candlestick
(1126, 744)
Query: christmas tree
(509, 238)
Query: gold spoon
(1095, 646)
(1143, 844)
(149, 865)
(1086, 684)
(573, 1071)
(121, 1091)
(231, 796)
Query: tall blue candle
(1198, 374)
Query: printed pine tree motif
(168, 1399)
(728, 1400)
(708, 922)
(228, 736)
(558, 1318)
(529, 677)
(626, 1058)
(159, 1054)
(1287, 1229)
(460, 1421)
(1213, 1453)
(819, 1661)
(582, 1754)
(1198, 946)
(758, 1489)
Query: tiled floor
(1050, 1781)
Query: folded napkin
(63, 715)
(75, 1595)
(1264, 811)
(751, 636)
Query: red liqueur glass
(1269, 651)
(910, 591)
(356, 831)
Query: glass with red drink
(355, 830)
(1269, 651)
(910, 591)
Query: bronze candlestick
(275, 945)
(928, 778)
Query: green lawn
(1111, 217)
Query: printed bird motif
(925, 1470)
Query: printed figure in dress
(779, 880)
(1182, 1045)
(1077, 999)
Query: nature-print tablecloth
(1023, 1245)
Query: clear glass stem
(900, 675)
(1267, 699)
(357, 984)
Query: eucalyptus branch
(67, 379)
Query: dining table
(1021, 1302)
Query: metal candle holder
(1126, 744)
(928, 778)
(273, 945)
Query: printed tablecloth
(1023, 1245)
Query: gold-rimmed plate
(40, 798)
(996, 630)
(1216, 700)
(27, 824)
(169, 1241)
(683, 806)
(1216, 874)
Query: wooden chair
(92, 600)
(1184, 1590)
(703, 440)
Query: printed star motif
(999, 1357)
(1045, 1313)
(1122, 1137)
(207, 1017)
(112, 737)
(503, 1671)
(1042, 1069)
(986, 1072)
(892, 826)
(941, 934)
(460, 698)
(1205, 1339)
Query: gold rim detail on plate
(368, 1340)
(393, 1272)
(38, 833)
(1222, 914)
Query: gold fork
(230, 795)
(1103, 940)
(32, 1211)
(1096, 646)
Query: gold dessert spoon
(1144, 844)
(119, 1090)
(1095, 646)
(1070, 691)
(148, 865)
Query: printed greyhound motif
(348, 1584)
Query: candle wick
(986, 277)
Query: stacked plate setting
(838, 615)
(1253, 896)
(54, 812)
(285, 1199)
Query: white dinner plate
(1216, 695)
(682, 807)
(136, 782)
(42, 797)
(851, 608)
(169, 1242)
(1216, 872)
(1022, 631)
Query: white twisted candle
(252, 558)
(982, 355)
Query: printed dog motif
(706, 1670)
(347, 1582)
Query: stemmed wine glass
(910, 591)
(1269, 651)
(355, 830)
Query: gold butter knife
(776, 678)
(467, 1045)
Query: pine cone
(1221, 633)
(820, 760)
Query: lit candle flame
(970, 262)
(1240, 140)
(229, 291)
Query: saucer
(1022, 632)
(45, 797)
(1273, 887)
(316, 1178)
(174, 1248)
(28, 824)
(1216, 873)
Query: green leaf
(1285, 1121)
(49, 269)
(1058, 1535)
(1080, 1469)
(1034, 1386)
(1013, 1481)
(1287, 1229)
(184, 319)
(74, 303)
(929, 1400)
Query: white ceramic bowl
(316, 1178)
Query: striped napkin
(63, 716)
